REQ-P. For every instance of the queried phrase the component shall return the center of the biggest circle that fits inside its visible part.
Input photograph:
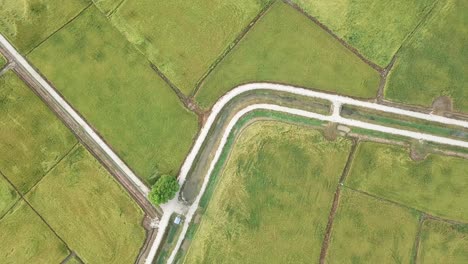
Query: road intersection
(140, 191)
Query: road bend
(139, 191)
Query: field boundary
(22, 198)
(230, 47)
(71, 150)
(373, 65)
(60, 28)
(336, 202)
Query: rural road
(336, 100)
(47, 92)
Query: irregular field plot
(183, 38)
(32, 139)
(28, 22)
(286, 47)
(115, 89)
(376, 28)
(27, 239)
(366, 230)
(2, 61)
(443, 243)
(89, 210)
(436, 185)
(273, 198)
(8, 196)
(433, 63)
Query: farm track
(138, 190)
(87, 136)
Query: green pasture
(376, 28)
(286, 47)
(274, 193)
(2, 61)
(433, 63)
(107, 6)
(183, 38)
(443, 243)
(32, 138)
(113, 86)
(27, 23)
(436, 185)
(366, 230)
(25, 238)
(90, 210)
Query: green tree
(164, 189)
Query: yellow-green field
(376, 28)
(26, 238)
(286, 47)
(183, 38)
(27, 23)
(275, 192)
(112, 85)
(443, 243)
(8, 196)
(32, 139)
(433, 63)
(366, 230)
(436, 185)
(90, 210)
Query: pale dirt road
(27, 72)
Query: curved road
(174, 206)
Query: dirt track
(98, 152)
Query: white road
(174, 206)
(335, 117)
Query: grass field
(32, 139)
(8, 196)
(106, 6)
(366, 230)
(436, 185)
(285, 46)
(2, 61)
(443, 243)
(27, 23)
(115, 89)
(27, 239)
(183, 38)
(375, 28)
(428, 67)
(89, 210)
(274, 193)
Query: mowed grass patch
(376, 28)
(286, 47)
(90, 210)
(433, 63)
(366, 230)
(115, 89)
(27, 239)
(8, 196)
(436, 185)
(272, 200)
(32, 139)
(183, 38)
(27, 23)
(443, 243)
